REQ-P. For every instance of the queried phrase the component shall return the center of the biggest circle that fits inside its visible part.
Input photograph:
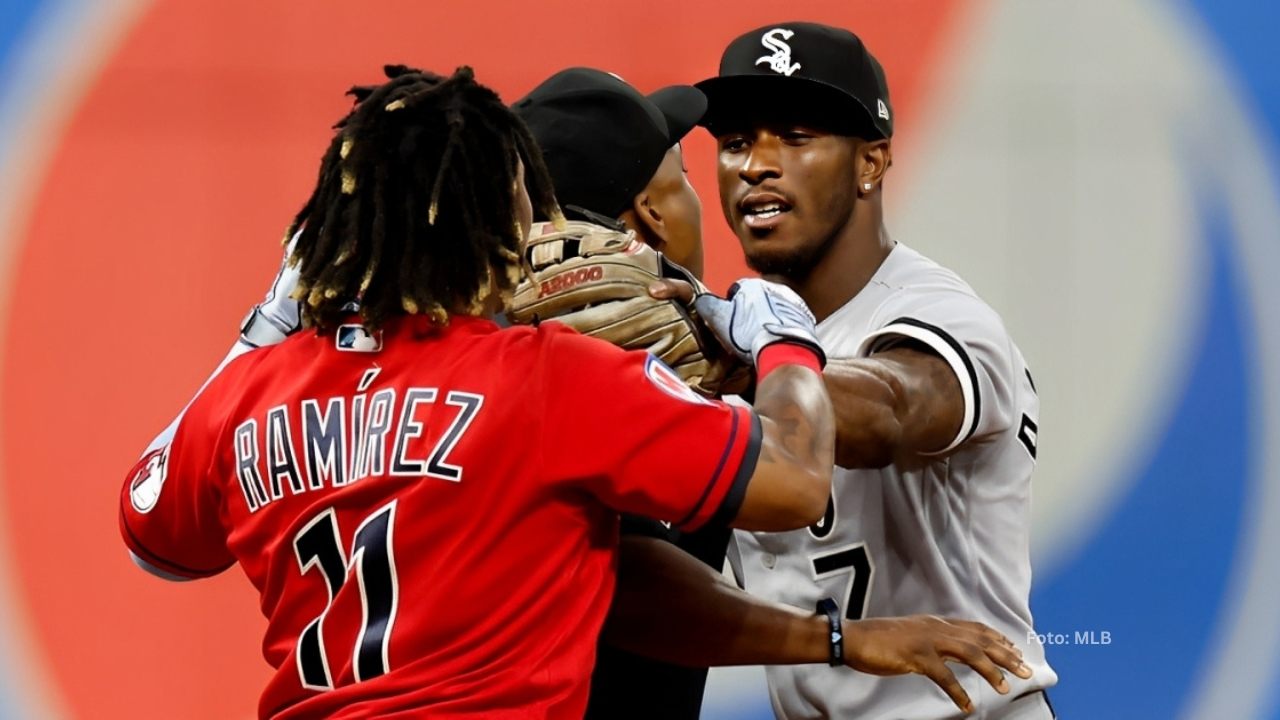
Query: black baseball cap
(601, 138)
(821, 72)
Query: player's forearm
(793, 397)
(792, 479)
(895, 405)
(671, 607)
(868, 405)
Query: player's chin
(772, 256)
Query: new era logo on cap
(881, 109)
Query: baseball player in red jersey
(427, 503)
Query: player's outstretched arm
(268, 323)
(769, 326)
(894, 404)
(897, 403)
(673, 608)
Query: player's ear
(873, 159)
(644, 217)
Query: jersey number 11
(318, 545)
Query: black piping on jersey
(964, 357)
(737, 492)
(724, 458)
(1033, 382)
(160, 563)
(715, 476)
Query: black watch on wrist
(828, 607)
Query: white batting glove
(757, 314)
(278, 316)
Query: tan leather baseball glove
(595, 279)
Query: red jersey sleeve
(626, 427)
(170, 503)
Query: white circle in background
(1051, 180)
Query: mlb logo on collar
(354, 338)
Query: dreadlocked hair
(414, 210)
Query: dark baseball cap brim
(682, 106)
(734, 99)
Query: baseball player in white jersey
(930, 536)
(936, 410)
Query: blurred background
(1103, 172)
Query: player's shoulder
(914, 279)
(569, 359)
(231, 379)
(925, 294)
(911, 272)
(547, 345)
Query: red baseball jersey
(430, 516)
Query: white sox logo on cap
(780, 60)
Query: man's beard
(791, 265)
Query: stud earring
(866, 186)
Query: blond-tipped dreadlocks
(413, 211)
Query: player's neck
(848, 265)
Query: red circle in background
(156, 226)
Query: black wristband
(828, 607)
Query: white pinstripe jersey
(942, 536)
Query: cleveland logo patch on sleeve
(669, 382)
(144, 489)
